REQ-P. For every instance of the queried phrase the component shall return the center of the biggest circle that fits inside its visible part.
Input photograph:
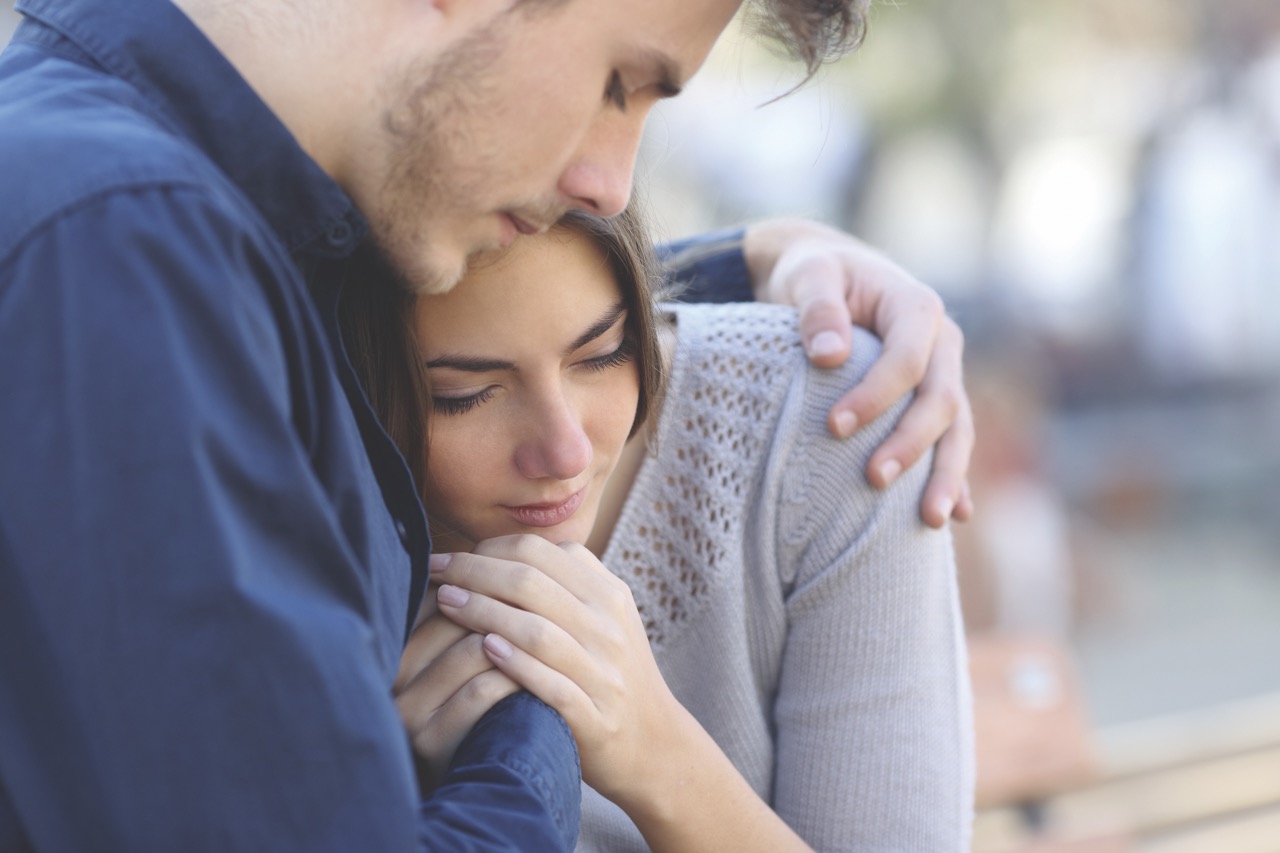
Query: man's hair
(812, 31)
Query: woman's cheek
(456, 471)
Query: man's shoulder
(69, 136)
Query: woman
(781, 663)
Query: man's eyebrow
(598, 328)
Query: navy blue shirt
(209, 550)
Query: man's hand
(837, 281)
(445, 685)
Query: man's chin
(431, 276)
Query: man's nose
(598, 179)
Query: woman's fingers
(537, 635)
(548, 684)
(528, 572)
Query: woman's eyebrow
(470, 364)
(606, 322)
(474, 364)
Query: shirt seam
(82, 203)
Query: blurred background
(1094, 189)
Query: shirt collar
(155, 47)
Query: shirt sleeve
(188, 661)
(708, 268)
(873, 713)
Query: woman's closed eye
(624, 353)
(443, 404)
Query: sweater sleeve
(873, 711)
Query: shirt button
(403, 533)
(339, 234)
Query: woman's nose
(556, 446)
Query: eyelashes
(624, 354)
(459, 405)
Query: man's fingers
(939, 413)
(947, 494)
(432, 685)
(895, 375)
(813, 281)
(913, 339)
(964, 507)
(436, 732)
(428, 641)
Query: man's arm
(188, 660)
(836, 281)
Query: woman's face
(534, 390)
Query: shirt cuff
(515, 779)
(708, 268)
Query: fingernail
(497, 646)
(439, 562)
(945, 506)
(452, 596)
(825, 343)
(890, 470)
(846, 423)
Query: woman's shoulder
(759, 345)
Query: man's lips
(547, 514)
(514, 226)
(524, 226)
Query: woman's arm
(873, 708)
(565, 628)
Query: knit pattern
(679, 532)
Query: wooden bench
(1201, 782)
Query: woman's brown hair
(377, 320)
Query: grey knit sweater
(810, 623)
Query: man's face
(536, 112)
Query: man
(209, 551)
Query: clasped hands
(518, 612)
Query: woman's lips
(547, 515)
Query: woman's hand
(565, 628)
(445, 685)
